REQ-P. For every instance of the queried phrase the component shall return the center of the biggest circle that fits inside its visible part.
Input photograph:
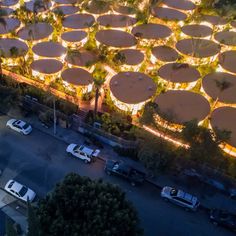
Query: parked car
(223, 218)
(82, 152)
(20, 191)
(19, 126)
(133, 175)
(181, 198)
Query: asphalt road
(39, 162)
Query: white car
(19, 126)
(82, 152)
(20, 191)
(181, 198)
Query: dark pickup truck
(119, 168)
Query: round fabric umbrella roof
(179, 73)
(115, 38)
(221, 86)
(132, 87)
(47, 66)
(224, 119)
(182, 106)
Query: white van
(82, 152)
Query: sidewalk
(13, 210)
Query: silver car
(181, 198)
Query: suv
(82, 152)
(181, 198)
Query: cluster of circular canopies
(176, 53)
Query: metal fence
(76, 122)
(79, 125)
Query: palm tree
(99, 75)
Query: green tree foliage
(203, 143)
(99, 75)
(8, 97)
(10, 229)
(150, 109)
(80, 206)
(155, 153)
(33, 224)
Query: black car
(223, 218)
(133, 175)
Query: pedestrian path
(9, 205)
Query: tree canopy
(204, 143)
(83, 207)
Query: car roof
(186, 196)
(16, 186)
(86, 150)
(20, 123)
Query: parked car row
(112, 167)
(190, 202)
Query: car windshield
(76, 148)
(10, 184)
(25, 126)
(23, 191)
(173, 192)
